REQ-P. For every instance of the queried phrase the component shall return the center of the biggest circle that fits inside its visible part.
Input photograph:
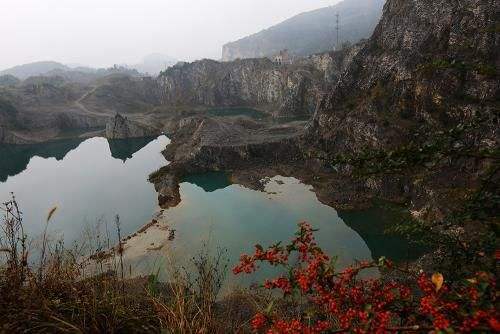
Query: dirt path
(82, 107)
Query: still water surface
(88, 181)
(91, 181)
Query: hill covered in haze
(151, 65)
(154, 63)
(310, 32)
(34, 69)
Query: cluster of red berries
(295, 326)
(341, 301)
(274, 256)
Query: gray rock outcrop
(120, 127)
(430, 64)
(284, 91)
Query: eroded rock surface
(285, 91)
(202, 143)
(428, 63)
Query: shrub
(341, 301)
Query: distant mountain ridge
(25, 71)
(310, 32)
(151, 65)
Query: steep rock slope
(291, 90)
(431, 64)
(311, 32)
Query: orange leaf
(437, 280)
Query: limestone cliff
(431, 64)
(291, 90)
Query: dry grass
(60, 294)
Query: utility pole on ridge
(337, 28)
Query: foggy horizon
(125, 31)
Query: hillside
(120, 93)
(33, 69)
(40, 108)
(424, 66)
(8, 80)
(310, 32)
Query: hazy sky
(106, 32)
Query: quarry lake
(90, 181)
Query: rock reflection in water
(85, 181)
(236, 218)
(15, 158)
(209, 182)
(373, 226)
(124, 149)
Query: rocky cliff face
(331, 64)
(121, 127)
(291, 90)
(431, 64)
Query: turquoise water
(89, 181)
(93, 180)
(236, 218)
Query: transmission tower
(337, 29)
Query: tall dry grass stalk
(187, 305)
(13, 241)
(61, 294)
(45, 242)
